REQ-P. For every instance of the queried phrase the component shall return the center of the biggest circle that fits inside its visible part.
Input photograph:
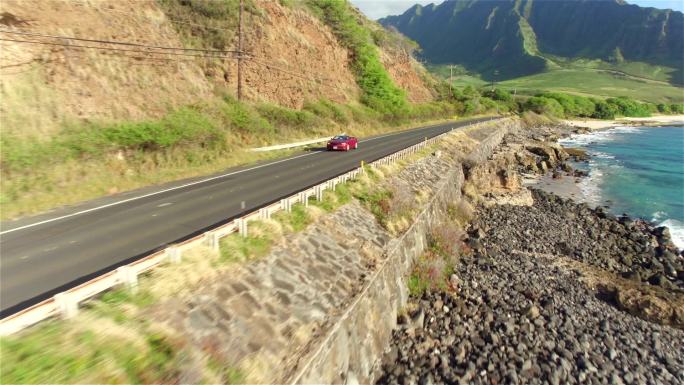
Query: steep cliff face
(44, 86)
(48, 82)
(522, 37)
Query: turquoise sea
(638, 171)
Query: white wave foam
(598, 136)
(591, 186)
(602, 155)
(676, 231)
(658, 216)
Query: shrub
(572, 105)
(499, 94)
(545, 106)
(604, 110)
(327, 109)
(281, 116)
(243, 118)
(628, 107)
(677, 108)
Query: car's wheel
(356, 145)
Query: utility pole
(239, 60)
(451, 81)
(496, 73)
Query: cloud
(376, 9)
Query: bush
(677, 108)
(604, 110)
(572, 105)
(327, 109)
(242, 117)
(545, 106)
(281, 116)
(628, 107)
(499, 94)
(182, 126)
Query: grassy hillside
(599, 83)
(86, 155)
(589, 81)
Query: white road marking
(165, 204)
(189, 184)
(24, 257)
(152, 194)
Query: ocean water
(638, 171)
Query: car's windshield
(339, 137)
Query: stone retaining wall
(320, 308)
(351, 350)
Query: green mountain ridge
(505, 39)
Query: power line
(270, 66)
(116, 42)
(115, 49)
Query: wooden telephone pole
(451, 81)
(239, 60)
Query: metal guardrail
(66, 303)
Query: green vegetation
(41, 173)
(567, 106)
(434, 268)
(380, 93)
(236, 248)
(122, 350)
(589, 82)
(508, 40)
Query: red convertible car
(343, 142)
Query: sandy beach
(594, 124)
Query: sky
(376, 9)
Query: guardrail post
(67, 304)
(286, 204)
(173, 254)
(211, 239)
(304, 198)
(241, 224)
(128, 277)
(264, 213)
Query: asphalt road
(46, 254)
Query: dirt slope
(42, 87)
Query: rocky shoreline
(551, 291)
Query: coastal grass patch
(433, 269)
(122, 351)
(588, 82)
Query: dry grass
(461, 212)
(76, 180)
